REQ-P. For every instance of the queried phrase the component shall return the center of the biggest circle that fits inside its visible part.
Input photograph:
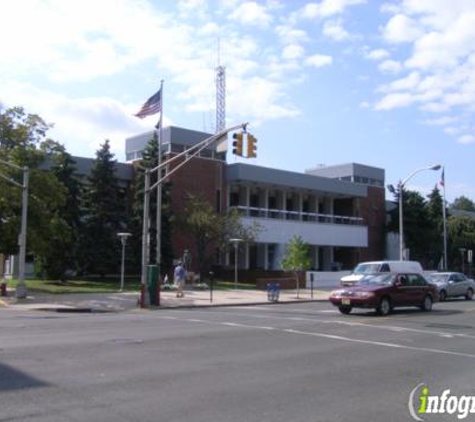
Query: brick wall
(199, 176)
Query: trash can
(273, 292)
(152, 284)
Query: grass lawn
(109, 285)
(78, 286)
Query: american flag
(152, 106)
(442, 178)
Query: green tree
(416, 224)
(204, 225)
(435, 232)
(209, 228)
(464, 203)
(461, 234)
(64, 247)
(104, 215)
(297, 259)
(20, 138)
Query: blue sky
(388, 84)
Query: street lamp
(123, 239)
(462, 253)
(21, 286)
(235, 242)
(401, 187)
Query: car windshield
(383, 279)
(437, 278)
(366, 269)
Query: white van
(376, 267)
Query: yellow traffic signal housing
(251, 146)
(238, 143)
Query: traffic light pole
(194, 150)
(21, 291)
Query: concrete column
(300, 206)
(246, 256)
(266, 206)
(248, 199)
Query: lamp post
(401, 187)
(21, 286)
(123, 239)
(462, 254)
(235, 242)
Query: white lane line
(381, 343)
(335, 337)
(394, 328)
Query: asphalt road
(292, 363)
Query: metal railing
(300, 216)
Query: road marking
(336, 337)
(394, 328)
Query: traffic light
(237, 143)
(251, 146)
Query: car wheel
(442, 295)
(384, 307)
(344, 309)
(427, 304)
(469, 294)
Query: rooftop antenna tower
(220, 94)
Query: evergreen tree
(435, 233)
(104, 215)
(64, 248)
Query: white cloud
(290, 35)
(292, 52)
(441, 121)
(377, 54)
(402, 28)
(335, 31)
(410, 82)
(252, 13)
(390, 66)
(318, 60)
(83, 122)
(466, 139)
(395, 100)
(326, 8)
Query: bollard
(3, 288)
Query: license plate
(345, 301)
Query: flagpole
(444, 217)
(159, 187)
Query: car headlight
(364, 295)
(336, 293)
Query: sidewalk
(127, 301)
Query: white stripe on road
(393, 328)
(335, 337)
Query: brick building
(338, 210)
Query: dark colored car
(385, 292)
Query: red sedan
(385, 292)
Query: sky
(389, 84)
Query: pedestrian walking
(179, 277)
